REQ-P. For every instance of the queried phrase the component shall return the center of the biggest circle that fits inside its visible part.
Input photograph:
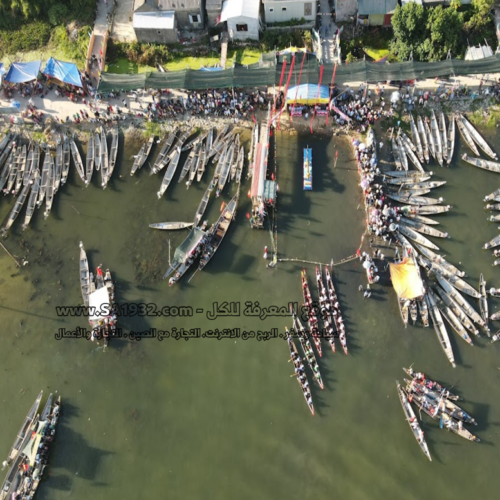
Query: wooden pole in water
(336, 158)
(10, 255)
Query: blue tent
(308, 94)
(23, 72)
(64, 71)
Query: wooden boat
(310, 310)
(169, 174)
(307, 181)
(427, 210)
(403, 191)
(432, 145)
(45, 179)
(492, 196)
(299, 371)
(397, 156)
(35, 187)
(493, 206)
(201, 162)
(413, 157)
(84, 275)
(413, 311)
(66, 161)
(422, 219)
(404, 174)
(416, 139)
(423, 228)
(219, 231)
(161, 159)
(89, 160)
(187, 164)
(455, 323)
(188, 261)
(227, 167)
(58, 166)
(77, 160)
(112, 154)
(171, 225)
(13, 171)
(238, 159)
(457, 311)
(478, 138)
(204, 158)
(438, 261)
(5, 141)
(413, 235)
(335, 311)
(104, 159)
(484, 164)
(455, 294)
(412, 421)
(6, 171)
(402, 153)
(423, 185)
(202, 207)
(438, 146)
(191, 144)
(307, 349)
(20, 170)
(421, 379)
(194, 165)
(97, 151)
(424, 311)
(466, 136)
(18, 205)
(6, 153)
(459, 283)
(325, 310)
(407, 181)
(492, 243)
(23, 432)
(439, 327)
(414, 200)
(423, 136)
(241, 164)
(444, 137)
(494, 218)
(142, 156)
(451, 141)
(483, 299)
(49, 196)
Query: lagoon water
(203, 418)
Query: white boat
(411, 154)
(423, 228)
(427, 210)
(171, 225)
(49, 196)
(416, 139)
(492, 243)
(402, 153)
(430, 136)
(45, 178)
(241, 164)
(169, 174)
(162, 158)
(413, 235)
(493, 196)
(410, 191)
(440, 328)
(84, 275)
(414, 200)
(492, 166)
(466, 136)
(478, 138)
(32, 198)
(18, 205)
(438, 147)
(455, 323)
(483, 299)
(493, 206)
(89, 160)
(97, 152)
(112, 154)
(202, 207)
(440, 261)
(404, 174)
(451, 140)
(397, 155)
(77, 160)
(58, 166)
(423, 137)
(403, 181)
(227, 167)
(423, 219)
(444, 136)
(458, 311)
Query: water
(223, 418)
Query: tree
(409, 24)
(446, 33)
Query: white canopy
(96, 300)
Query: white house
(242, 18)
(278, 11)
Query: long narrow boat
(84, 275)
(426, 210)
(13, 171)
(478, 138)
(45, 178)
(77, 159)
(32, 199)
(18, 205)
(457, 296)
(241, 164)
(492, 243)
(438, 146)
(300, 373)
(307, 182)
(444, 136)
(5, 175)
(201, 162)
(23, 432)
(310, 311)
(402, 174)
(112, 155)
(423, 136)
(5, 141)
(412, 421)
(219, 231)
(454, 322)
(307, 349)
(58, 168)
(430, 136)
(439, 261)
(403, 191)
(492, 196)
(325, 310)
(416, 184)
(335, 311)
(492, 166)
(439, 328)
(169, 174)
(459, 283)
(20, 170)
(423, 228)
(413, 235)
(204, 163)
(466, 136)
(457, 311)
(104, 159)
(190, 258)
(416, 139)
(97, 151)
(420, 378)
(138, 159)
(202, 207)
(89, 161)
(451, 141)
(49, 197)
(424, 311)
(397, 156)
(160, 162)
(66, 161)
(483, 299)
(493, 206)
(412, 155)
(171, 225)
(402, 153)
(238, 155)
(225, 172)
(194, 164)
(143, 154)
(414, 200)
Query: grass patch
(123, 66)
(152, 128)
(179, 62)
(376, 54)
(488, 119)
(247, 55)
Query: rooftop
(154, 20)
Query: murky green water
(208, 419)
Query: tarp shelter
(99, 303)
(64, 71)
(269, 191)
(23, 72)
(308, 94)
(406, 280)
(183, 251)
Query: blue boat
(308, 175)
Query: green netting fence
(267, 73)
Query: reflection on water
(195, 417)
